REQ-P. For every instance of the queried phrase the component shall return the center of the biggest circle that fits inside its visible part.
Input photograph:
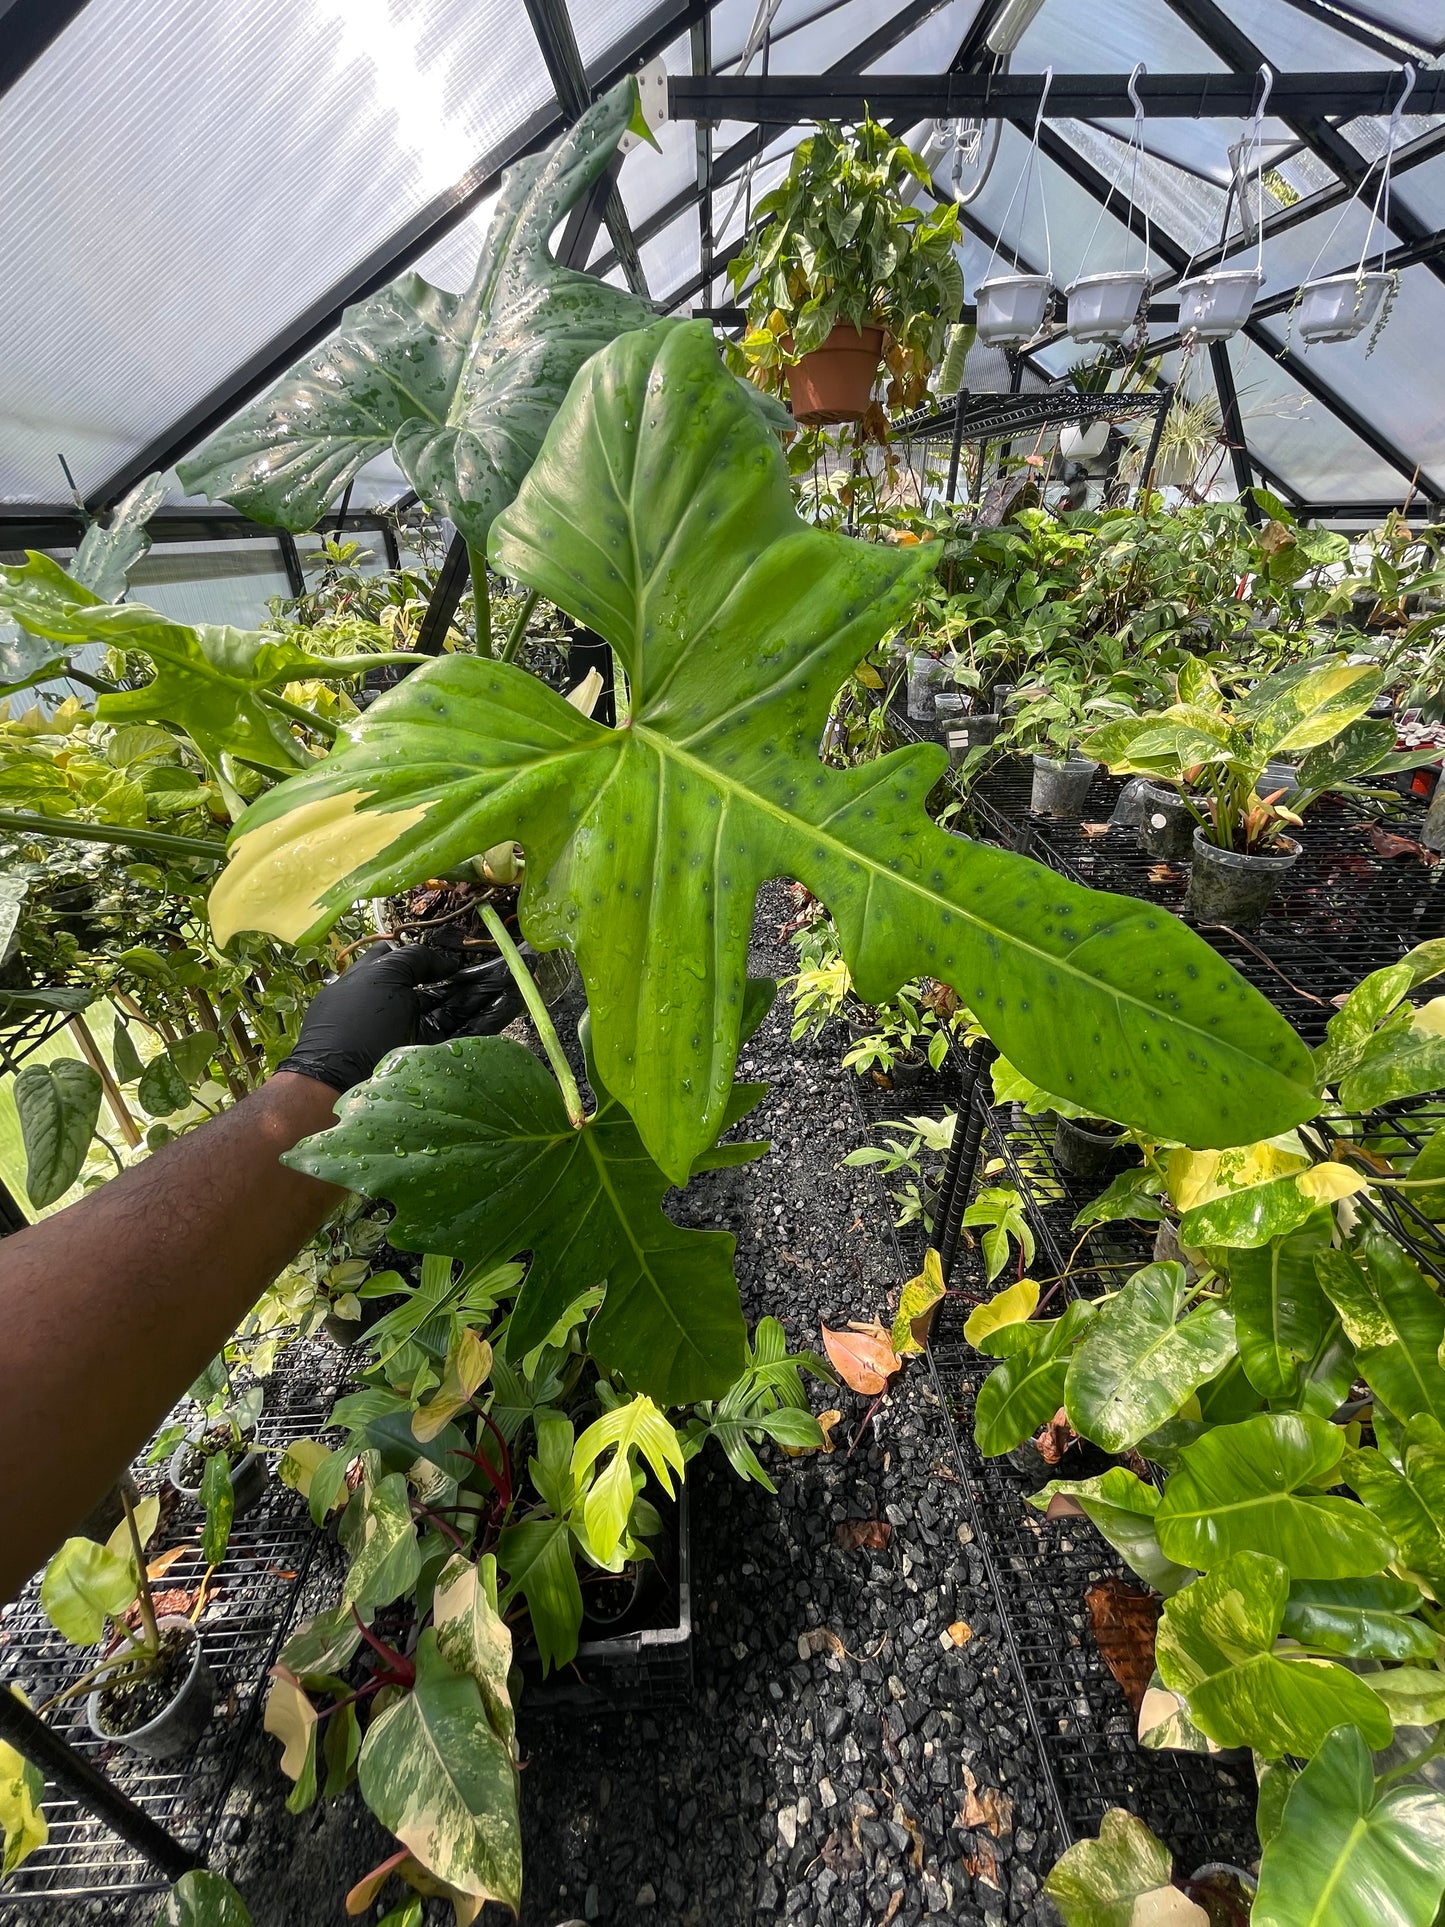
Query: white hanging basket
(1103, 307)
(1011, 308)
(1341, 306)
(1080, 444)
(1217, 305)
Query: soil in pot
(1226, 886)
(1166, 823)
(834, 382)
(1085, 1146)
(165, 1710)
(908, 1070)
(1060, 786)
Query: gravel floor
(844, 1759)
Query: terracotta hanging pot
(834, 383)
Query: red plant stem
(398, 1662)
(362, 1692)
(441, 1525)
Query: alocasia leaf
(460, 387)
(659, 513)
(1025, 1391)
(437, 1774)
(1140, 1360)
(1348, 1854)
(209, 677)
(1280, 1313)
(1395, 1320)
(58, 1105)
(499, 1169)
(1255, 1486)
(1215, 1647)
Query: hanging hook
(1266, 74)
(1043, 101)
(1399, 107)
(1140, 68)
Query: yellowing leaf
(278, 873)
(1195, 1177)
(1012, 1306)
(22, 1788)
(915, 1305)
(864, 1360)
(298, 1464)
(1326, 1183)
(291, 1719)
(468, 1363)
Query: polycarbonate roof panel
(1422, 191)
(183, 179)
(1299, 42)
(1419, 21)
(1109, 36)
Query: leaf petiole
(538, 1012)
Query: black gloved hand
(478, 1002)
(360, 1016)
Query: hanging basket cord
(1027, 179)
(1253, 153)
(1135, 154)
(1380, 209)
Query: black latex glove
(478, 1002)
(358, 1017)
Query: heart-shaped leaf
(1122, 1879)
(1361, 1618)
(437, 1774)
(58, 1105)
(1139, 1360)
(1215, 1646)
(460, 387)
(1254, 1487)
(203, 1899)
(1409, 1500)
(1122, 1507)
(1394, 1319)
(1025, 1391)
(471, 1141)
(84, 1586)
(659, 513)
(1011, 1306)
(864, 1359)
(1346, 1854)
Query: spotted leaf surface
(659, 513)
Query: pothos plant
(1298, 1539)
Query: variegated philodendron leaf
(459, 387)
(659, 513)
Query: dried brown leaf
(989, 1809)
(863, 1535)
(1125, 1619)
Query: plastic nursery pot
(345, 1332)
(908, 1070)
(1341, 306)
(1082, 1149)
(248, 1475)
(949, 708)
(184, 1717)
(973, 732)
(1166, 823)
(607, 1601)
(1061, 786)
(1278, 776)
(999, 696)
(1216, 306)
(1226, 886)
(1102, 307)
(834, 382)
(1011, 308)
(1078, 443)
(923, 675)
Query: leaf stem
(147, 1604)
(537, 1011)
(519, 628)
(299, 714)
(481, 601)
(160, 841)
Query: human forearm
(110, 1309)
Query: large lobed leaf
(460, 387)
(659, 513)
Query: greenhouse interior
(722, 963)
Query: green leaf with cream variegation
(1216, 1648)
(472, 1636)
(659, 513)
(1360, 1618)
(1121, 1507)
(1122, 1879)
(1349, 1852)
(460, 388)
(1280, 1313)
(203, 1899)
(1142, 1356)
(1024, 1392)
(1408, 1499)
(436, 1773)
(1394, 1318)
(1258, 1486)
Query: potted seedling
(1242, 848)
(151, 1690)
(217, 1464)
(846, 272)
(1084, 1143)
(1050, 715)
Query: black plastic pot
(607, 1603)
(179, 1724)
(1083, 1150)
(1060, 787)
(1226, 886)
(999, 696)
(248, 1475)
(904, 1072)
(1166, 823)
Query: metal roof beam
(27, 28)
(783, 100)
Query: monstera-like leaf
(460, 387)
(1216, 1647)
(472, 1143)
(1349, 1853)
(659, 513)
(209, 678)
